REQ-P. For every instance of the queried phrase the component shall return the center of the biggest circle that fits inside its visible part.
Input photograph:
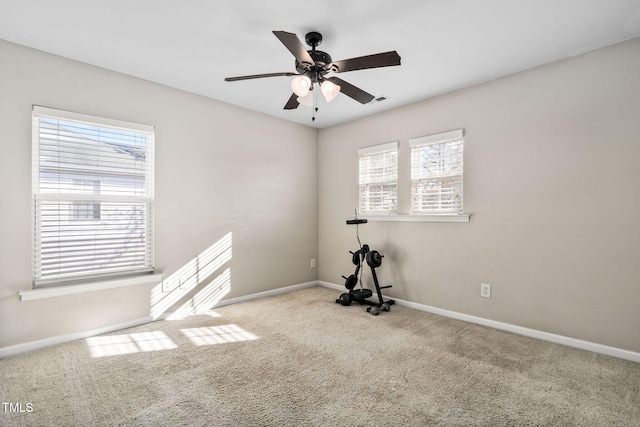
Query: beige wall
(552, 183)
(219, 169)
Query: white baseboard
(264, 294)
(14, 350)
(545, 336)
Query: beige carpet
(299, 359)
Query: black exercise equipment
(374, 260)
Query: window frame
(73, 196)
(455, 156)
(367, 154)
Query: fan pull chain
(315, 106)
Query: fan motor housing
(322, 60)
(320, 57)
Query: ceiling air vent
(376, 100)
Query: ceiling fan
(313, 66)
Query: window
(378, 179)
(436, 173)
(92, 197)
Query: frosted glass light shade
(301, 85)
(329, 90)
(307, 100)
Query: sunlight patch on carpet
(218, 335)
(114, 345)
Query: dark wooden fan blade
(352, 91)
(295, 46)
(292, 103)
(258, 76)
(385, 59)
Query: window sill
(420, 218)
(57, 291)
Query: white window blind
(437, 173)
(378, 179)
(92, 197)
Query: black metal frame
(361, 295)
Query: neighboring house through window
(86, 211)
(92, 197)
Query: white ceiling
(193, 45)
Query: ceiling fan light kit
(301, 85)
(329, 90)
(306, 100)
(314, 65)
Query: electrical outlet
(313, 263)
(485, 290)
